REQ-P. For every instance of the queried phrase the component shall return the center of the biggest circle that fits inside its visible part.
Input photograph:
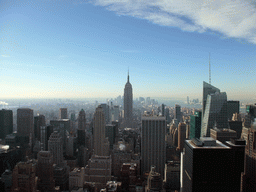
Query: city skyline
(82, 49)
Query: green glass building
(195, 125)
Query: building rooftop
(203, 143)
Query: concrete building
(63, 113)
(101, 144)
(45, 171)
(223, 135)
(76, 178)
(128, 104)
(154, 181)
(207, 165)
(98, 171)
(38, 122)
(178, 113)
(55, 146)
(181, 136)
(24, 177)
(6, 123)
(153, 148)
(172, 175)
(82, 120)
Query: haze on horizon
(82, 49)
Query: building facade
(25, 122)
(6, 123)
(153, 148)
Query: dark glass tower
(128, 100)
(6, 123)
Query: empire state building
(128, 101)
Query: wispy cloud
(231, 18)
(5, 55)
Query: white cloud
(231, 18)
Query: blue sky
(61, 48)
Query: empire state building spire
(128, 102)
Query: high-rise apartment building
(6, 123)
(195, 125)
(63, 113)
(81, 120)
(100, 141)
(215, 113)
(45, 171)
(128, 104)
(38, 122)
(207, 165)
(153, 147)
(55, 146)
(178, 114)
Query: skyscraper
(100, 144)
(178, 114)
(45, 171)
(153, 143)
(38, 122)
(25, 122)
(55, 146)
(209, 165)
(6, 123)
(63, 113)
(81, 120)
(128, 103)
(207, 89)
(195, 125)
(215, 113)
(181, 136)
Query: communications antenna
(209, 68)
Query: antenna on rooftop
(209, 68)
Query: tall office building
(45, 171)
(55, 146)
(207, 89)
(128, 103)
(25, 122)
(38, 122)
(100, 142)
(82, 120)
(215, 113)
(163, 109)
(181, 136)
(232, 107)
(195, 125)
(209, 165)
(63, 113)
(116, 113)
(6, 123)
(153, 147)
(178, 114)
